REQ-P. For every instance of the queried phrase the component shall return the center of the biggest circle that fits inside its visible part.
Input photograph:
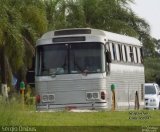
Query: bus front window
(70, 58)
(87, 57)
(52, 59)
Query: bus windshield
(70, 58)
(150, 90)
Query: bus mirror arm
(108, 57)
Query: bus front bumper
(81, 106)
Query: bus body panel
(69, 91)
(73, 91)
(128, 79)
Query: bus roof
(122, 38)
(89, 31)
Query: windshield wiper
(57, 71)
(53, 72)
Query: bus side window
(125, 52)
(131, 54)
(120, 52)
(141, 53)
(136, 54)
(108, 54)
(114, 51)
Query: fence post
(113, 97)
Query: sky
(150, 11)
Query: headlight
(48, 98)
(89, 95)
(95, 95)
(51, 97)
(152, 100)
(92, 95)
(44, 98)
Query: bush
(152, 69)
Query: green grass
(13, 114)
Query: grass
(13, 114)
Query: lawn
(16, 115)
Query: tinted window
(125, 52)
(114, 51)
(86, 57)
(70, 58)
(131, 53)
(150, 89)
(120, 52)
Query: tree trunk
(3, 73)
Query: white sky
(150, 11)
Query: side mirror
(108, 57)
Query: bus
(76, 68)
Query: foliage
(15, 114)
(152, 72)
(22, 22)
(111, 15)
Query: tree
(21, 24)
(34, 24)
(11, 48)
(110, 15)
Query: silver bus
(75, 69)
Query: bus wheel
(136, 101)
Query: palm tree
(110, 15)
(34, 24)
(11, 48)
(21, 24)
(23, 21)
